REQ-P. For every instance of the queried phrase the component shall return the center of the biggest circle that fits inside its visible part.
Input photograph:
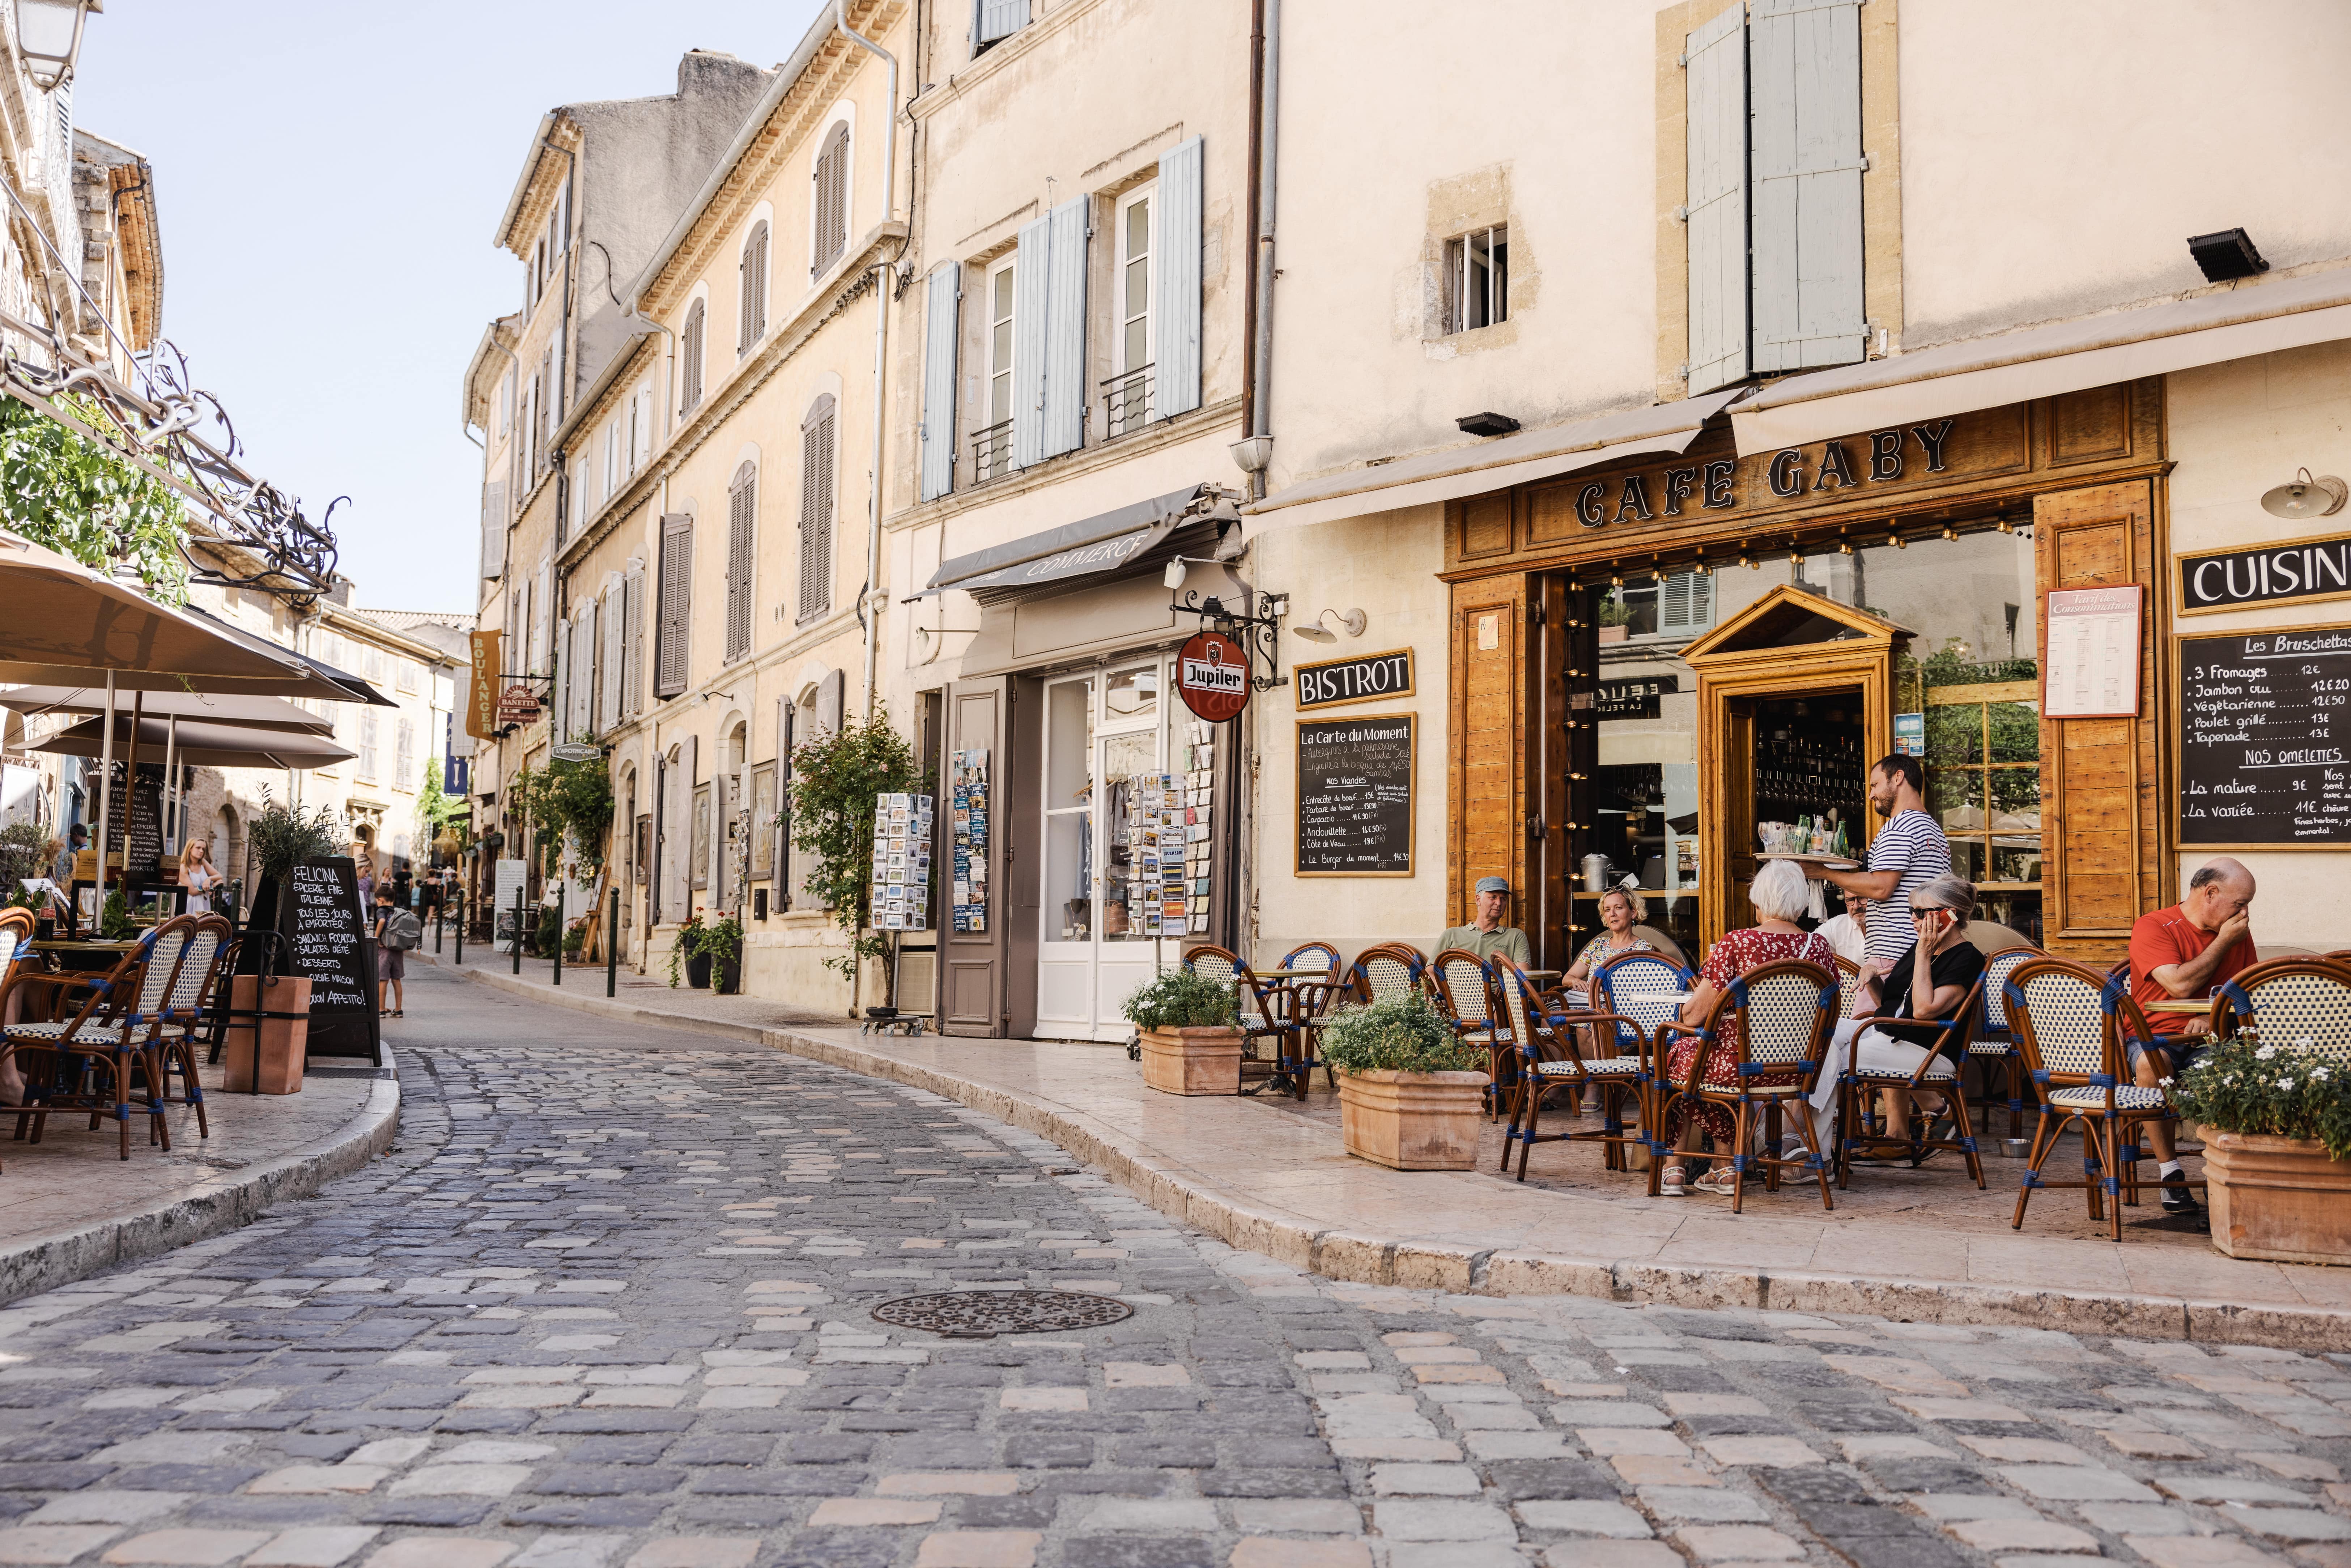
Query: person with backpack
(396, 931)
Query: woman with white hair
(1780, 897)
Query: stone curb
(1199, 1201)
(224, 1203)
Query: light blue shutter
(1065, 330)
(938, 381)
(1804, 70)
(1715, 84)
(1031, 266)
(611, 658)
(1176, 314)
(1685, 604)
(994, 20)
(493, 528)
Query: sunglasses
(1918, 912)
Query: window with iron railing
(1127, 403)
(991, 452)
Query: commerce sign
(2285, 571)
(482, 685)
(1212, 677)
(518, 704)
(1358, 679)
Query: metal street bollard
(560, 891)
(437, 906)
(518, 930)
(461, 932)
(612, 948)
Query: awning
(1493, 465)
(200, 745)
(357, 689)
(1115, 538)
(2043, 361)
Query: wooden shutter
(690, 352)
(1031, 269)
(831, 694)
(632, 634)
(751, 318)
(1804, 86)
(994, 20)
(832, 199)
(816, 509)
(1685, 604)
(1488, 834)
(2103, 801)
(787, 710)
(677, 831)
(939, 325)
(583, 673)
(543, 621)
(1176, 303)
(1065, 329)
(742, 512)
(676, 603)
(493, 528)
(1715, 87)
(612, 675)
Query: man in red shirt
(2187, 951)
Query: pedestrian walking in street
(62, 872)
(396, 931)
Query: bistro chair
(1388, 970)
(1782, 1015)
(2071, 1026)
(1946, 1042)
(1312, 955)
(2304, 1004)
(1641, 992)
(83, 1062)
(1223, 966)
(1466, 994)
(194, 1003)
(1311, 999)
(1545, 1028)
(16, 939)
(1993, 1043)
(1848, 985)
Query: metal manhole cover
(983, 1314)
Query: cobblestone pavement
(608, 1305)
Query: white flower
(2285, 1083)
(2264, 1054)
(2305, 1043)
(2318, 1075)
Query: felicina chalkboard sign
(2265, 740)
(330, 939)
(1354, 796)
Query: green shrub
(721, 941)
(688, 944)
(1398, 1034)
(283, 837)
(1181, 999)
(2274, 1088)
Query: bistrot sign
(1212, 677)
(1362, 678)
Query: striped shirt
(1913, 844)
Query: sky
(329, 175)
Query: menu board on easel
(327, 935)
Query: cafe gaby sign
(1880, 458)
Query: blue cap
(1493, 884)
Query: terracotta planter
(2278, 1198)
(1413, 1121)
(285, 1034)
(1192, 1060)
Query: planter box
(1192, 1060)
(2278, 1198)
(727, 976)
(698, 971)
(1413, 1121)
(285, 1040)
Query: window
(698, 853)
(633, 646)
(1680, 606)
(506, 403)
(992, 450)
(611, 459)
(640, 427)
(816, 509)
(1127, 397)
(367, 745)
(676, 601)
(942, 294)
(992, 21)
(828, 210)
(690, 355)
(403, 755)
(1477, 279)
(408, 673)
(742, 518)
(752, 316)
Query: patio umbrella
(203, 744)
(199, 707)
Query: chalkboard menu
(1354, 796)
(138, 814)
(2261, 765)
(330, 942)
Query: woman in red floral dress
(1780, 896)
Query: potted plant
(2277, 1148)
(1411, 1092)
(1190, 1028)
(719, 945)
(688, 948)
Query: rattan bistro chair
(2300, 1004)
(1389, 969)
(1223, 966)
(193, 1005)
(1944, 1042)
(1641, 992)
(2072, 1025)
(84, 1063)
(1466, 993)
(1784, 1012)
(1544, 1029)
(1992, 1045)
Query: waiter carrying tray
(1907, 854)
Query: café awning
(1122, 536)
(1494, 464)
(204, 707)
(200, 745)
(2043, 362)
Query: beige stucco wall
(2237, 430)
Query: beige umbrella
(198, 706)
(203, 744)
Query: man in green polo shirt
(1489, 936)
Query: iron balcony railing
(1127, 403)
(991, 452)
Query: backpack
(403, 930)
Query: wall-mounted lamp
(2226, 255)
(2307, 497)
(1352, 621)
(1180, 567)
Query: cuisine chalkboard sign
(1354, 796)
(330, 939)
(2266, 740)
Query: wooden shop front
(1652, 659)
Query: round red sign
(1212, 677)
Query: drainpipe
(1268, 120)
(866, 610)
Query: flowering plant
(2285, 1089)
(1397, 1034)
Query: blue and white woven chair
(1388, 970)
(1992, 1045)
(1221, 966)
(1545, 1027)
(1641, 992)
(2297, 1004)
(1944, 1042)
(1784, 1012)
(2072, 1025)
(84, 1063)
(1466, 994)
(193, 1003)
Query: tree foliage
(60, 491)
(568, 799)
(835, 779)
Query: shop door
(1101, 729)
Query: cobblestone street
(608, 1304)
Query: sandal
(1718, 1181)
(1671, 1181)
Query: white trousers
(1856, 1044)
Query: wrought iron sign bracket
(1256, 633)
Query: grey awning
(1122, 536)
